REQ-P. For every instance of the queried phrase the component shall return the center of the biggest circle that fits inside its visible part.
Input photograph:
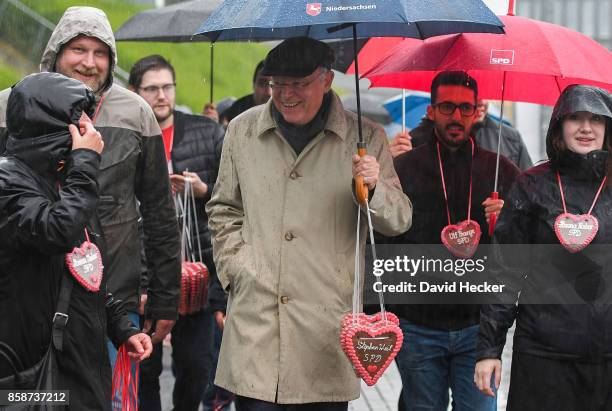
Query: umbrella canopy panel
(370, 51)
(176, 23)
(280, 19)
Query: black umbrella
(345, 53)
(175, 24)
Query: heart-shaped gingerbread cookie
(370, 343)
(575, 232)
(461, 239)
(85, 265)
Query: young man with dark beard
(448, 180)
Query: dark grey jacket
(512, 145)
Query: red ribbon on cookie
(576, 231)
(460, 239)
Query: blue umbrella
(261, 20)
(415, 108)
(333, 19)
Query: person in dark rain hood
(562, 352)
(134, 185)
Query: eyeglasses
(294, 85)
(448, 109)
(263, 83)
(154, 90)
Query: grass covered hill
(234, 62)
(8, 75)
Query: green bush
(8, 76)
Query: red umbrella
(532, 62)
(538, 61)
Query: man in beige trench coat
(283, 218)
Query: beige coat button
(284, 299)
(289, 236)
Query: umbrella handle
(361, 190)
(493, 217)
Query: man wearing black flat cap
(283, 219)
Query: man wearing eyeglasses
(260, 95)
(193, 150)
(283, 217)
(439, 347)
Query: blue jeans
(216, 398)
(432, 361)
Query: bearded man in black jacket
(193, 151)
(439, 350)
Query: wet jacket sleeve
(392, 208)
(161, 236)
(118, 326)
(218, 144)
(226, 213)
(3, 137)
(512, 229)
(51, 226)
(217, 299)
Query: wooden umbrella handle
(361, 190)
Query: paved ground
(381, 397)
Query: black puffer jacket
(197, 146)
(575, 321)
(39, 224)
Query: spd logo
(504, 57)
(313, 9)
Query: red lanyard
(95, 116)
(594, 200)
(444, 184)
